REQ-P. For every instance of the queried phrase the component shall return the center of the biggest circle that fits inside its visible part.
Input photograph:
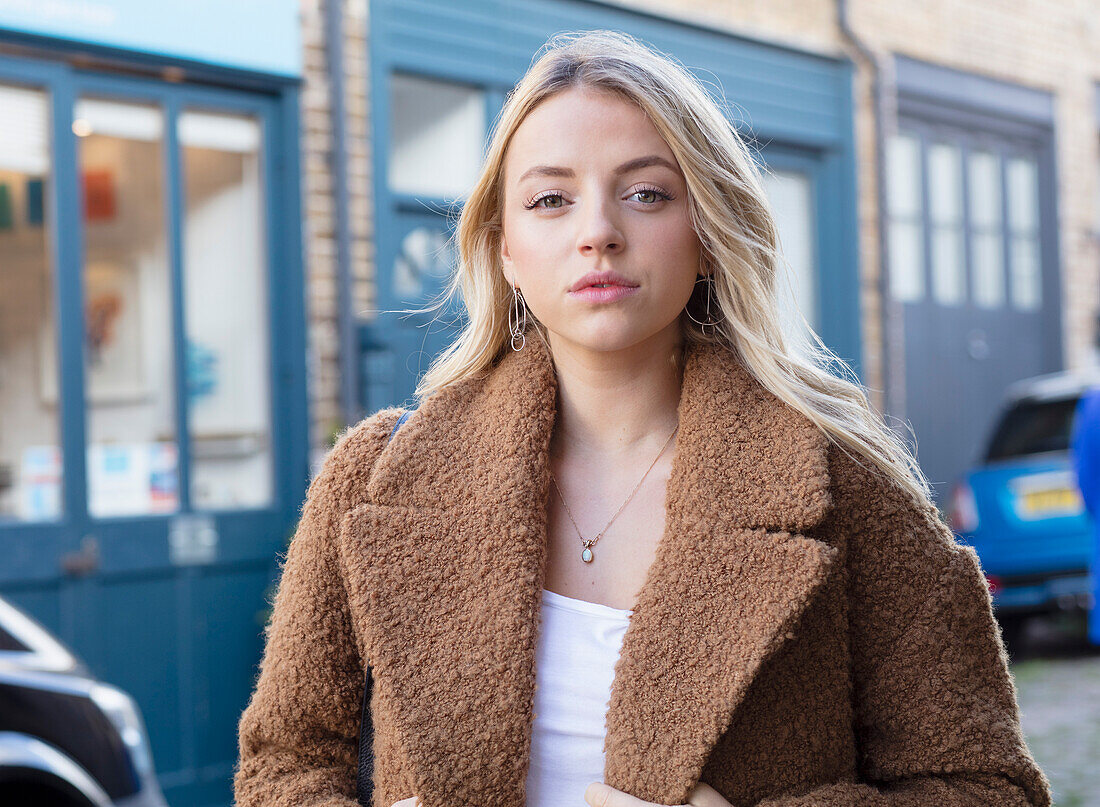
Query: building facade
(969, 161)
(207, 231)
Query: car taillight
(963, 514)
(994, 583)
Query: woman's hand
(598, 794)
(411, 801)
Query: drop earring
(517, 309)
(712, 323)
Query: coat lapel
(445, 564)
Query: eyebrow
(627, 167)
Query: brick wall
(318, 188)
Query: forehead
(580, 129)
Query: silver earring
(712, 323)
(519, 307)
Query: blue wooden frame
(837, 301)
(193, 740)
(278, 113)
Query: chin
(607, 339)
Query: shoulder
(346, 468)
(906, 569)
(889, 533)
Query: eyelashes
(534, 202)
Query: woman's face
(590, 186)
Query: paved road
(1058, 687)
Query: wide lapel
(445, 564)
(733, 573)
(444, 568)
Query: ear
(506, 261)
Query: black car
(66, 739)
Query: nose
(599, 233)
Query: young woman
(637, 545)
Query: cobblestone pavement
(1058, 686)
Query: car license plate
(1050, 502)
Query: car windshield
(1032, 427)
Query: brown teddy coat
(807, 636)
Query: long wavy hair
(732, 218)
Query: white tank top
(578, 646)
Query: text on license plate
(1049, 502)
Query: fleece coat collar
(446, 560)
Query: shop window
(437, 137)
(904, 199)
(129, 384)
(226, 309)
(30, 453)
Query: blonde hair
(735, 225)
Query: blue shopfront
(440, 71)
(152, 348)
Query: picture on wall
(113, 337)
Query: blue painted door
(153, 357)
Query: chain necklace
(586, 554)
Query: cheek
(679, 249)
(524, 246)
(536, 259)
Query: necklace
(586, 553)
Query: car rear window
(1032, 427)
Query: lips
(599, 279)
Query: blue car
(1020, 507)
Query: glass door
(129, 387)
(30, 427)
(150, 329)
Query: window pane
(906, 261)
(985, 190)
(790, 193)
(903, 176)
(989, 289)
(1023, 217)
(988, 267)
(228, 373)
(945, 183)
(1023, 194)
(130, 391)
(945, 190)
(30, 452)
(948, 265)
(437, 136)
(903, 197)
(1026, 274)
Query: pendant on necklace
(586, 555)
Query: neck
(617, 403)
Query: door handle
(84, 561)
